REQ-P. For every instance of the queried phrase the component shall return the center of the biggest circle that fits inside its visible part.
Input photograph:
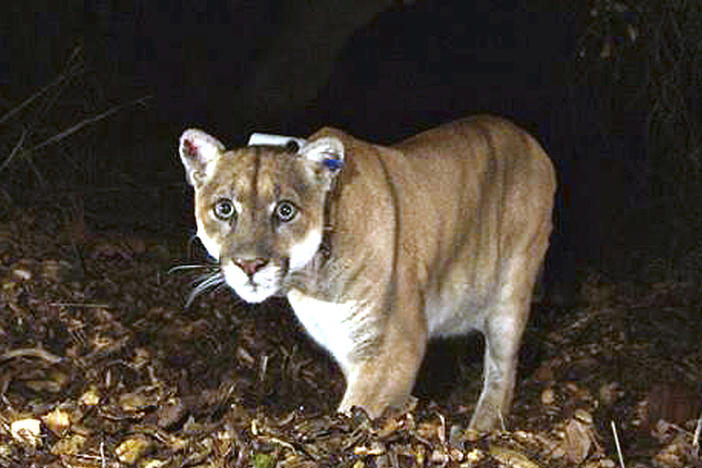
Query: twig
(15, 150)
(70, 71)
(281, 442)
(30, 99)
(696, 437)
(74, 128)
(616, 443)
(78, 304)
(103, 461)
(30, 352)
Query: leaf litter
(102, 366)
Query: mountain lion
(379, 248)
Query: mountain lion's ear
(197, 150)
(327, 153)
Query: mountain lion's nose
(250, 266)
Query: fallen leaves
(57, 421)
(26, 431)
(579, 437)
(132, 449)
(100, 366)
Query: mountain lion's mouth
(254, 288)
(254, 293)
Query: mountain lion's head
(260, 209)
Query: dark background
(609, 88)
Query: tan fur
(438, 235)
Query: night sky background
(379, 70)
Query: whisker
(205, 277)
(189, 267)
(207, 282)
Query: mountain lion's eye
(224, 209)
(285, 211)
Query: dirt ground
(101, 365)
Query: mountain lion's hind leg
(503, 332)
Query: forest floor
(102, 365)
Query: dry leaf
(577, 440)
(132, 449)
(57, 421)
(511, 458)
(26, 431)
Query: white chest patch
(341, 328)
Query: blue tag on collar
(333, 164)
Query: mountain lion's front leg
(386, 378)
